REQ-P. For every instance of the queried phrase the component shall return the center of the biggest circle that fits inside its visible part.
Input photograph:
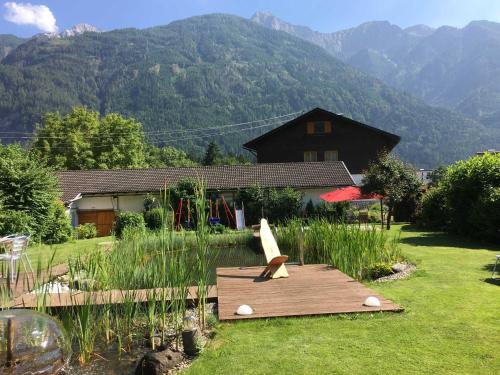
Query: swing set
(213, 220)
(189, 222)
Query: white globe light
(244, 310)
(372, 302)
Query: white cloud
(29, 14)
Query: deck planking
(116, 296)
(310, 290)
(25, 281)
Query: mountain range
(456, 68)
(185, 78)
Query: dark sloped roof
(250, 145)
(226, 177)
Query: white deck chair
(16, 251)
(275, 261)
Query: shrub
(254, 200)
(276, 204)
(150, 202)
(217, 228)
(128, 220)
(433, 212)
(378, 270)
(466, 199)
(333, 212)
(310, 210)
(12, 221)
(86, 231)
(27, 185)
(58, 227)
(152, 218)
(466, 184)
(283, 204)
(485, 215)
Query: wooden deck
(25, 282)
(116, 296)
(310, 290)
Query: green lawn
(62, 251)
(451, 324)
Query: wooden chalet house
(320, 135)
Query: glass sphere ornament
(32, 343)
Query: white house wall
(121, 203)
(358, 179)
(96, 203)
(133, 203)
(313, 194)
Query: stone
(244, 310)
(156, 339)
(372, 302)
(399, 267)
(158, 363)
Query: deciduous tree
(84, 140)
(392, 178)
(27, 186)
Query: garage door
(103, 220)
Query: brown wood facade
(323, 135)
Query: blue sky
(27, 18)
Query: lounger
(275, 261)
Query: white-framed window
(331, 155)
(310, 156)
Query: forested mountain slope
(456, 68)
(8, 43)
(213, 70)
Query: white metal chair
(16, 251)
(495, 267)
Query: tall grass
(179, 280)
(84, 328)
(167, 262)
(352, 249)
(202, 251)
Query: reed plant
(179, 280)
(43, 274)
(151, 317)
(352, 249)
(84, 327)
(202, 251)
(130, 309)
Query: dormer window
(319, 127)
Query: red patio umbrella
(351, 193)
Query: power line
(184, 137)
(228, 132)
(152, 133)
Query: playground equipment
(214, 220)
(188, 223)
(233, 220)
